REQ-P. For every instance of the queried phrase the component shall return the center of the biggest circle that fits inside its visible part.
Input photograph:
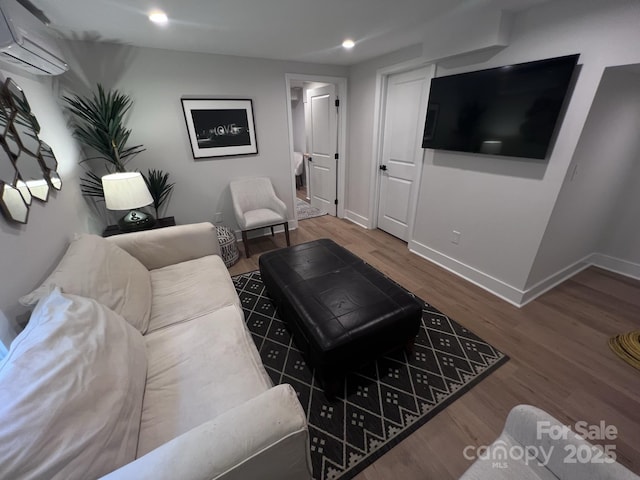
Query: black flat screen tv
(511, 110)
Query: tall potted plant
(159, 187)
(98, 122)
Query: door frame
(379, 112)
(341, 170)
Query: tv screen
(511, 110)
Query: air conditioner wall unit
(26, 43)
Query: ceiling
(297, 30)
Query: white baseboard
(500, 289)
(497, 287)
(513, 295)
(357, 219)
(616, 265)
(555, 279)
(612, 264)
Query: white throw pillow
(71, 391)
(96, 268)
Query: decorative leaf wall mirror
(28, 167)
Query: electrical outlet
(219, 217)
(455, 237)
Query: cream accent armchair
(535, 446)
(256, 206)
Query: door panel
(398, 189)
(323, 134)
(405, 107)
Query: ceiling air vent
(25, 40)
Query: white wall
(156, 79)
(502, 206)
(622, 241)
(485, 32)
(590, 210)
(29, 252)
(621, 238)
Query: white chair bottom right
(536, 446)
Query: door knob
(383, 168)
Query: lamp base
(136, 220)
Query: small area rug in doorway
(382, 403)
(306, 211)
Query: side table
(160, 223)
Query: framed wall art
(220, 127)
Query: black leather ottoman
(342, 312)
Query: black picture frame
(221, 127)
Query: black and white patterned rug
(381, 404)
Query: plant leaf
(98, 122)
(91, 186)
(159, 187)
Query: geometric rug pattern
(380, 404)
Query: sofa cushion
(160, 247)
(94, 268)
(71, 391)
(188, 290)
(197, 370)
(261, 217)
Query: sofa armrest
(264, 438)
(166, 246)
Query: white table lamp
(128, 191)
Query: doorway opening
(316, 111)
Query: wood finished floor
(560, 360)
(301, 193)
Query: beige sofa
(137, 364)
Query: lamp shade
(125, 191)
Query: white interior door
(401, 160)
(323, 134)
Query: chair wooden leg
(245, 242)
(272, 233)
(286, 233)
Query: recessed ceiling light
(348, 44)
(159, 17)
